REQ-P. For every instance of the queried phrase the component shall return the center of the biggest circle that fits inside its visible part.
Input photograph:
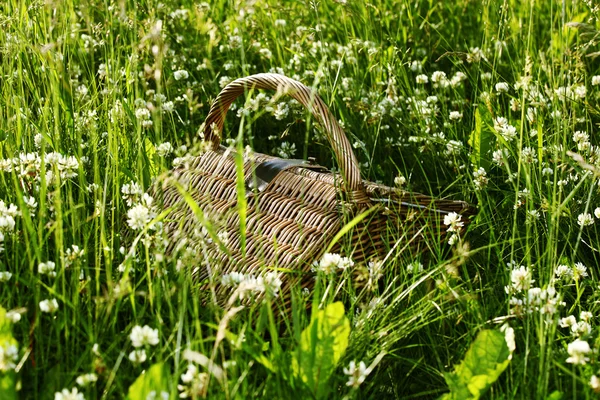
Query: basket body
(293, 211)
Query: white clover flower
(498, 157)
(415, 66)
(86, 379)
(164, 149)
(586, 316)
(143, 336)
(72, 255)
(142, 114)
(345, 263)
(529, 155)
(507, 131)
(130, 192)
(582, 139)
(422, 79)
(224, 81)
(502, 87)
(532, 215)
(189, 374)
(521, 278)
(580, 91)
(509, 337)
(232, 279)
(453, 147)
(595, 80)
(8, 357)
(37, 140)
(329, 262)
(475, 55)
(580, 136)
(138, 356)
(266, 53)
(578, 349)
(516, 304)
(356, 374)
(563, 92)
(7, 223)
(138, 216)
(414, 267)
(250, 285)
(336, 64)
(556, 114)
(480, 178)
(595, 383)
(49, 306)
(65, 394)
(47, 268)
(286, 149)
(281, 111)
(453, 221)
(375, 268)
(31, 204)
(457, 79)
(5, 276)
(272, 283)
(13, 316)
(550, 300)
(564, 272)
(455, 115)
(194, 383)
(223, 237)
(453, 239)
(400, 180)
(546, 171)
(567, 322)
(597, 212)
(180, 74)
(581, 328)
(438, 77)
(580, 271)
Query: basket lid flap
(266, 171)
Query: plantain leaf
(322, 344)
(151, 383)
(481, 138)
(8, 378)
(484, 362)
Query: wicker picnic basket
(293, 208)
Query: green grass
(97, 81)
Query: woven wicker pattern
(293, 219)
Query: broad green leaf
(154, 381)
(556, 395)
(8, 378)
(485, 360)
(322, 344)
(150, 154)
(481, 138)
(475, 140)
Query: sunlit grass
(478, 101)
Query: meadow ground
(492, 102)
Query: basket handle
(335, 135)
